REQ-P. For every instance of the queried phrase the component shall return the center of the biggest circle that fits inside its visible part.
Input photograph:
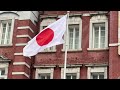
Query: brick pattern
(19, 49)
(114, 58)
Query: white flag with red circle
(50, 36)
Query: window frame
(98, 74)
(96, 69)
(43, 71)
(71, 75)
(44, 74)
(74, 31)
(74, 20)
(96, 20)
(11, 32)
(99, 35)
(74, 70)
(4, 66)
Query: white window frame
(98, 19)
(46, 22)
(71, 70)
(4, 66)
(71, 75)
(74, 20)
(97, 74)
(44, 70)
(97, 70)
(11, 33)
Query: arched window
(6, 28)
(74, 33)
(98, 35)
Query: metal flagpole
(65, 62)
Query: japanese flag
(48, 37)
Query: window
(3, 70)
(44, 73)
(97, 72)
(71, 73)
(97, 75)
(5, 27)
(73, 37)
(74, 33)
(44, 76)
(98, 36)
(44, 24)
(71, 76)
(2, 73)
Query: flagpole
(66, 45)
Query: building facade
(93, 45)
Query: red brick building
(93, 45)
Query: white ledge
(21, 44)
(26, 27)
(19, 73)
(71, 65)
(23, 36)
(6, 45)
(74, 50)
(97, 49)
(18, 53)
(114, 44)
(38, 66)
(21, 63)
(90, 65)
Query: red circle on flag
(45, 37)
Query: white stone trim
(71, 70)
(8, 15)
(21, 44)
(114, 44)
(12, 29)
(21, 63)
(24, 36)
(97, 69)
(96, 65)
(86, 14)
(26, 27)
(96, 49)
(7, 45)
(19, 73)
(48, 66)
(29, 15)
(71, 65)
(44, 70)
(18, 53)
(74, 50)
